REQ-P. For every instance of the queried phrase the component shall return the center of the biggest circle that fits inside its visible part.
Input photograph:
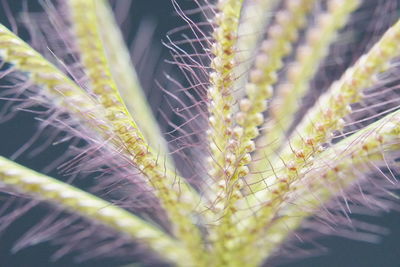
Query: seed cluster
(238, 220)
(28, 181)
(308, 56)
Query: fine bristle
(247, 135)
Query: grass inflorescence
(285, 117)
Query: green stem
(91, 207)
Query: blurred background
(145, 24)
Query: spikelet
(294, 161)
(250, 116)
(89, 206)
(128, 135)
(126, 79)
(308, 57)
(356, 153)
(261, 186)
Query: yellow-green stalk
(94, 209)
(94, 60)
(253, 22)
(176, 196)
(281, 35)
(241, 144)
(333, 172)
(57, 85)
(126, 79)
(328, 112)
(220, 91)
(297, 162)
(288, 95)
(243, 230)
(221, 100)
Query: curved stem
(241, 144)
(91, 207)
(328, 112)
(333, 172)
(287, 95)
(176, 196)
(125, 77)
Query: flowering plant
(245, 164)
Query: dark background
(342, 252)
